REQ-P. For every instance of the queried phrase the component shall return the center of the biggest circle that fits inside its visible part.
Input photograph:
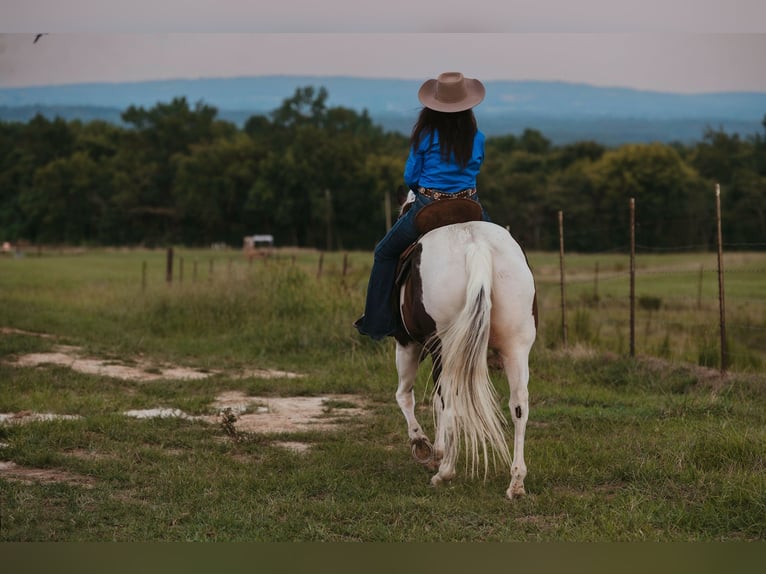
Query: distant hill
(564, 112)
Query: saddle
(446, 212)
(433, 215)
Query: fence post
(595, 286)
(632, 277)
(321, 263)
(169, 266)
(561, 270)
(194, 272)
(143, 276)
(345, 264)
(180, 270)
(724, 351)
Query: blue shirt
(425, 167)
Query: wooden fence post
(561, 270)
(169, 266)
(143, 276)
(321, 263)
(632, 277)
(595, 286)
(721, 299)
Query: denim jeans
(380, 317)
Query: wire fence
(665, 301)
(679, 318)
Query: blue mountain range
(564, 112)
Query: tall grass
(677, 314)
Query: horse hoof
(422, 451)
(516, 491)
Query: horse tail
(470, 412)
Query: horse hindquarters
(467, 409)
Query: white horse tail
(470, 412)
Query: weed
(227, 420)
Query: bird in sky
(38, 37)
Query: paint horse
(469, 289)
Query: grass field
(655, 448)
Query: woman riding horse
(446, 153)
(469, 289)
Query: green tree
(512, 189)
(14, 176)
(211, 187)
(672, 201)
(144, 167)
(64, 200)
(739, 166)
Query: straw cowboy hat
(451, 92)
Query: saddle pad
(446, 212)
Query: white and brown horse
(470, 289)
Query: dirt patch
(67, 356)
(158, 413)
(71, 357)
(30, 417)
(253, 414)
(12, 331)
(287, 414)
(294, 446)
(12, 471)
(268, 374)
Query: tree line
(319, 176)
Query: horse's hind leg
(446, 462)
(407, 361)
(516, 363)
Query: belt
(436, 194)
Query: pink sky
(384, 16)
(665, 45)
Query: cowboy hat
(451, 92)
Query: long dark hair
(456, 133)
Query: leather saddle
(446, 212)
(436, 214)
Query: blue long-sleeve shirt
(425, 167)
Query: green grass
(617, 449)
(677, 311)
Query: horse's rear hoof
(515, 491)
(422, 451)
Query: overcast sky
(666, 45)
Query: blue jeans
(380, 318)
